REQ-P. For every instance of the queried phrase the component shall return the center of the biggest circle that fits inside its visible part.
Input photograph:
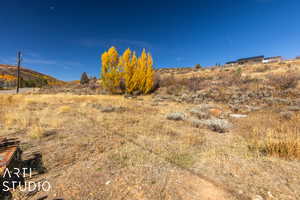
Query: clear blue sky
(65, 38)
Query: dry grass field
(112, 147)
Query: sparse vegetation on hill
(234, 130)
(153, 145)
(29, 78)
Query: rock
(293, 108)
(253, 108)
(206, 107)
(156, 99)
(136, 93)
(204, 111)
(286, 115)
(108, 109)
(297, 102)
(270, 195)
(96, 106)
(112, 109)
(129, 96)
(234, 108)
(176, 116)
(215, 112)
(238, 116)
(257, 197)
(159, 98)
(185, 98)
(274, 100)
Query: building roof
(231, 62)
(251, 58)
(273, 57)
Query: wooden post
(18, 70)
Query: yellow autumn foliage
(125, 61)
(111, 70)
(136, 73)
(7, 77)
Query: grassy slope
(27, 74)
(138, 154)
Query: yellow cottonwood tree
(125, 62)
(142, 69)
(131, 74)
(149, 75)
(111, 70)
(137, 73)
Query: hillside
(30, 78)
(221, 133)
(250, 69)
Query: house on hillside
(255, 59)
(250, 60)
(231, 63)
(272, 59)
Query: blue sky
(65, 38)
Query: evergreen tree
(84, 78)
(198, 66)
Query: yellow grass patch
(64, 109)
(273, 136)
(36, 132)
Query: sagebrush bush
(284, 81)
(195, 83)
(263, 68)
(168, 80)
(175, 86)
(232, 78)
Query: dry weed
(284, 81)
(36, 132)
(280, 138)
(64, 109)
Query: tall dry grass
(273, 136)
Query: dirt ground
(111, 147)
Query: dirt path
(189, 186)
(22, 91)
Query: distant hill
(29, 78)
